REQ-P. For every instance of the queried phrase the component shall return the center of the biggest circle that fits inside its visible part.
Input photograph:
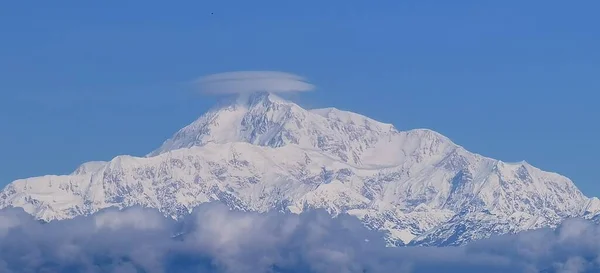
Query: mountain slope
(263, 153)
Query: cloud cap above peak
(243, 82)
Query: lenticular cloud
(241, 82)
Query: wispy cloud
(216, 239)
(252, 81)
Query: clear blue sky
(514, 80)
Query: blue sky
(513, 80)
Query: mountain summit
(265, 119)
(260, 152)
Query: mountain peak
(257, 118)
(265, 119)
(248, 100)
(258, 98)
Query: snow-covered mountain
(263, 153)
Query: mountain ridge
(262, 153)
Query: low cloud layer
(216, 239)
(242, 82)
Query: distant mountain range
(260, 153)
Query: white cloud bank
(216, 239)
(242, 82)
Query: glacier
(259, 152)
